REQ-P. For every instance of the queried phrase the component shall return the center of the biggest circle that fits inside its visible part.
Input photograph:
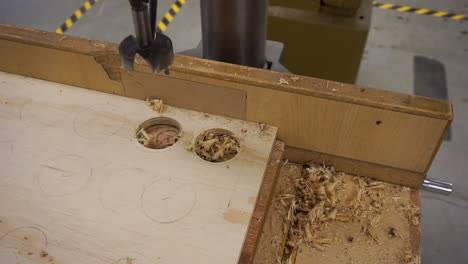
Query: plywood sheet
(77, 187)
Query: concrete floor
(395, 38)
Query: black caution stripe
(420, 11)
(69, 22)
(169, 16)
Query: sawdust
(215, 145)
(156, 104)
(271, 242)
(326, 216)
(410, 258)
(312, 205)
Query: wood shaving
(143, 137)
(215, 147)
(413, 213)
(156, 104)
(310, 207)
(314, 203)
(283, 81)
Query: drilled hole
(158, 132)
(216, 145)
(378, 122)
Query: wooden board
(80, 189)
(369, 125)
(186, 94)
(361, 248)
(262, 205)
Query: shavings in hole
(156, 104)
(158, 136)
(143, 137)
(216, 147)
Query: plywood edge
(415, 232)
(262, 205)
(357, 167)
(241, 74)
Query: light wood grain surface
(262, 205)
(76, 187)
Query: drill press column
(234, 31)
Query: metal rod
(142, 26)
(153, 10)
(444, 183)
(438, 186)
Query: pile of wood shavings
(215, 147)
(156, 104)
(311, 207)
(321, 196)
